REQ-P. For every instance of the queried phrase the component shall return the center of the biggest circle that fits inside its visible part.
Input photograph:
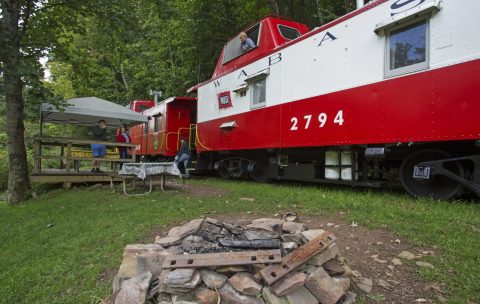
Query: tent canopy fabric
(88, 111)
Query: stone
(308, 269)
(333, 267)
(424, 264)
(214, 221)
(384, 284)
(290, 246)
(186, 298)
(231, 269)
(264, 228)
(289, 283)
(344, 282)
(323, 287)
(128, 267)
(193, 238)
(301, 295)
(168, 241)
(320, 258)
(293, 227)
(164, 298)
(291, 217)
(134, 290)
(213, 279)
(295, 238)
(231, 296)
(349, 298)
(187, 246)
(364, 284)
(396, 262)
(189, 228)
(309, 235)
(184, 278)
(271, 298)
(247, 199)
(244, 283)
(406, 255)
(151, 261)
(206, 296)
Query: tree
(18, 180)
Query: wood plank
(63, 140)
(72, 178)
(289, 263)
(222, 259)
(102, 159)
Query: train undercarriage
(440, 171)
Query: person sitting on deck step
(98, 150)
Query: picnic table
(146, 171)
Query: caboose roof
(225, 68)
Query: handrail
(197, 138)
(69, 143)
(63, 140)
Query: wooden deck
(61, 176)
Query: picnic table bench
(146, 171)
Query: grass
(53, 249)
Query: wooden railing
(67, 144)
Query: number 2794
(320, 121)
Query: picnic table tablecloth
(142, 170)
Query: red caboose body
(387, 92)
(170, 120)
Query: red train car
(389, 92)
(170, 121)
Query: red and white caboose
(390, 91)
(170, 121)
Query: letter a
(327, 36)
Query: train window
(145, 128)
(258, 90)
(407, 49)
(156, 120)
(233, 48)
(288, 32)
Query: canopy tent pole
(41, 121)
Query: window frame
(252, 92)
(289, 27)
(389, 73)
(145, 128)
(156, 123)
(227, 105)
(257, 43)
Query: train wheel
(438, 186)
(260, 171)
(223, 171)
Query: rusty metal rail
(223, 259)
(273, 273)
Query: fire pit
(209, 261)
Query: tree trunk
(275, 7)
(18, 180)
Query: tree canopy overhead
(166, 45)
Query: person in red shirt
(123, 137)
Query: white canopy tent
(87, 111)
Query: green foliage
(56, 248)
(131, 47)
